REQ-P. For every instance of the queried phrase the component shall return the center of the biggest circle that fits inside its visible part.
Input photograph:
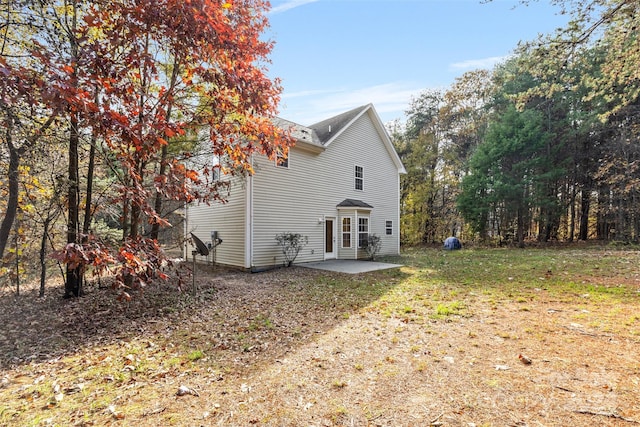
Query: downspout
(356, 226)
(186, 227)
(250, 219)
(398, 218)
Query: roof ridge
(327, 128)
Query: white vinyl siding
(298, 199)
(295, 199)
(287, 201)
(381, 190)
(227, 219)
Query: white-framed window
(346, 232)
(363, 232)
(282, 157)
(216, 168)
(388, 228)
(215, 173)
(359, 178)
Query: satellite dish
(200, 246)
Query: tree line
(543, 147)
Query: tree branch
(606, 414)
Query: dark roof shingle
(325, 129)
(353, 203)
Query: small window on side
(388, 228)
(215, 169)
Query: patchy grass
(436, 342)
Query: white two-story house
(339, 183)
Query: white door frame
(330, 221)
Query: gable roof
(319, 136)
(302, 134)
(328, 130)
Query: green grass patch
(449, 309)
(195, 355)
(519, 274)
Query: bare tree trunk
(136, 209)
(73, 284)
(583, 233)
(12, 200)
(603, 216)
(16, 235)
(15, 154)
(155, 227)
(43, 255)
(134, 230)
(572, 214)
(88, 203)
(520, 227)
(125, 217)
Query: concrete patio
(348, 266)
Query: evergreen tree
(505, 174)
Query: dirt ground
(299, 347)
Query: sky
(335, 55)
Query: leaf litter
(296, 347)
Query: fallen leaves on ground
(296, 347)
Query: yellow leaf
(226, 5)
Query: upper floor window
(359, 175)
(282, 157)
(388, 228)
(216, 168)
(215, 173)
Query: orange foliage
(146, 71)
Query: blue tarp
(452, 243)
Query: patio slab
(348, 266)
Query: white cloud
(291, 4)
(390, 100)
(474, 64)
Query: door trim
(330, 221)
